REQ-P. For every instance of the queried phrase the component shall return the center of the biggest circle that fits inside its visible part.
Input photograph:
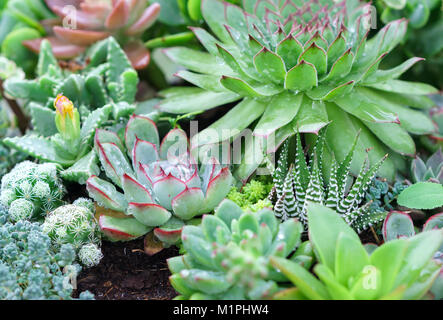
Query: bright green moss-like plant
(398, 269)
(299, 183)
(296, 66)
(30, 191)
(227, 256)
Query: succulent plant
(162, 186)
(9, 158)
(90, 255)
(382, 196)
(96, 20)
(398, 269)
(75, 224)
(422, 39)
(30, 268)
(298, 66)
(435, 141)
(298, 184)
(72, 224)
(227, 256)
(398, 225)
(431, 170)
(31, 191)
(106, 77)
(64, 135)
(20, 21)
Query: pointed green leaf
(316, 56)
(289, 49)
(301, 77)
(270, 65)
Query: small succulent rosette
(161, 185)
(227, 255)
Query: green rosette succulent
(162, 185)
(431, 170)
(227, 256)
(347, 270)
(30, 191)
(298, 65)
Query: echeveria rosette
(299, 68)
(125, 20)
(162, 185)
(227, 255)
(431, 170)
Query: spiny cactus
(161, 182)
(75, 224)
(31, 191)
(431, 170)
(299, 183)
(227, 256)
(299, 65)
(97, 20)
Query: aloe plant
(227, 256)
(297, 184)
(162, 184)
(298, 66)
(398, 269)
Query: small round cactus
(31, 191)
(73, 224)
(90, 255)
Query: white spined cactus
(72, 224)
(31, 191)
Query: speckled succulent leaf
(38, 147)
(397, 225)
(82, 169)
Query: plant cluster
(382, 196)
(29, 268)
(227, 256)
(296, 66)
(30, 191)
(75, 224)
(162, 185)
(103, 91)
(298, 184)
(398, 269)
(252, 196)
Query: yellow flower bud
(68, 127)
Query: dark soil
(127, 273)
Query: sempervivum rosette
(297, 66)
(94, 20)
(162, 187)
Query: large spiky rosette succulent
(95, 20)
(162, 186)
(298, 65)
